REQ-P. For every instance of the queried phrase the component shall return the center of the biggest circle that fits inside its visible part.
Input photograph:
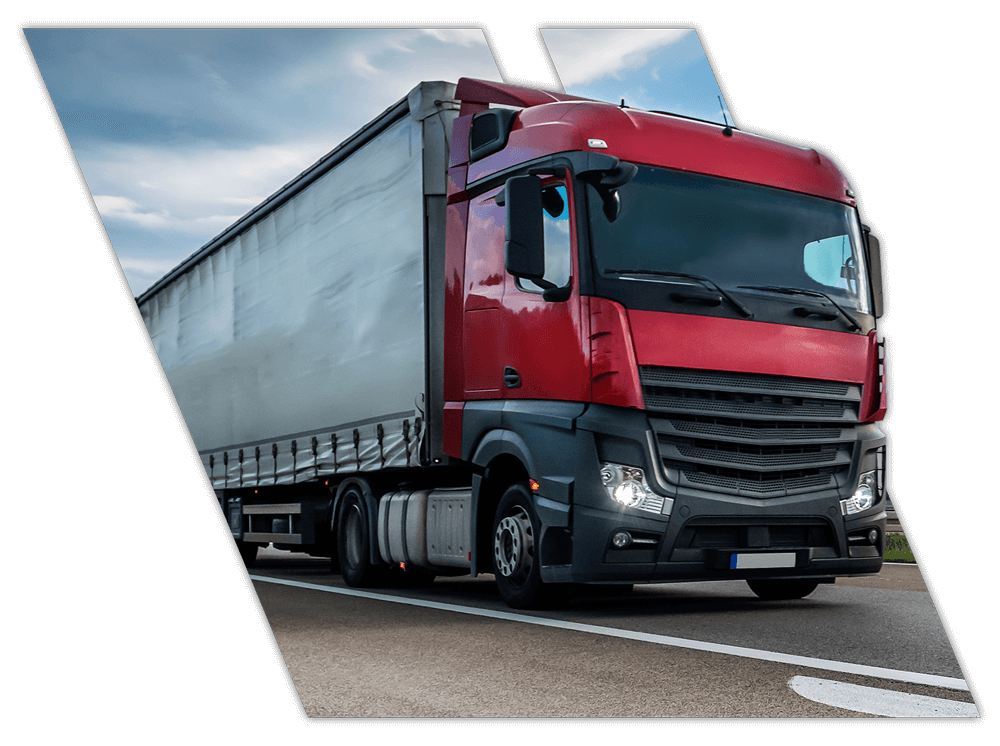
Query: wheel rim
(353, 543)
(513, 546)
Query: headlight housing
(626, 485)
(864, 497)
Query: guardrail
(892, 524)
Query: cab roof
(551, 122)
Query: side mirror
(875, 269)
(607, 183)
(524, 250)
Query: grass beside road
(897, 549)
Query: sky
(179, 132)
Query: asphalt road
(455, 650)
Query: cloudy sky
(179, 132)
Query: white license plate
(761, 560)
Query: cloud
(465, 37)
(247, 201)
(153, 267)
(123, 208)
(362, 60)
(361, 64)
(583, 55)
(193, 190)
(130, 211)
(89, 121)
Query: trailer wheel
(353, 543)
(782, 590)
(516, 565)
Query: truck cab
(661, 354)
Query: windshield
(734, 233)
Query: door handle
(511, 378)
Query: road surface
(861, 648)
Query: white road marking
(909, 677)
(872, 701)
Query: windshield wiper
(698, 278)
(799, 291)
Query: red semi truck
(501, 330)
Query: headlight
(626, 485)
(864, 497)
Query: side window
(558, 252)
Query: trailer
(509, 331)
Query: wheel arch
(506, 460)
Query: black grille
(749, 434)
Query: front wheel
(516, 565)
(782, 590)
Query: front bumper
(709, 535)
(710, 543)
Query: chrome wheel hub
(513, 545)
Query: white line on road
(873, 701)
(910, 677)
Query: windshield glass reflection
(732, 232)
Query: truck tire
(782, 590)
(354, 542)
(516, 565)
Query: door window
(558, 252)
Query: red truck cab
(660, 350)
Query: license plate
(761, 560)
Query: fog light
(873, 537)
(621, 540)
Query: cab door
(483, 335)
(545, 354)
